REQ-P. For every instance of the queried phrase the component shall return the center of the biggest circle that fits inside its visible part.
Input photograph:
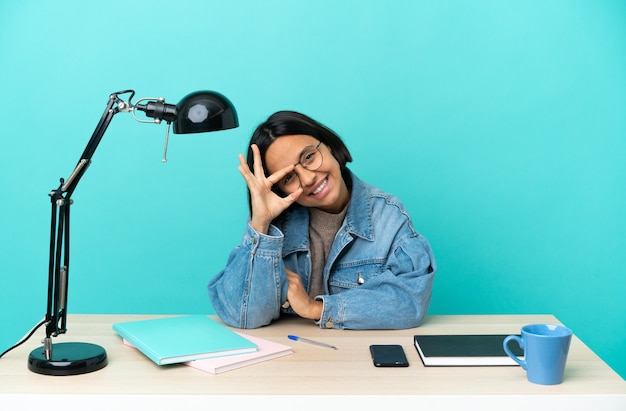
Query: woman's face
(324, 187)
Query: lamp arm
(59, 258)
(114, 106)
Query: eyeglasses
(311, 159)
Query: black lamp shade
(203, 111)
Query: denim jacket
(378, 275)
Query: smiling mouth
(320, 187)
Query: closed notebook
(268, 350)
(179, 339)
(464, 350)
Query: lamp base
(70, 358)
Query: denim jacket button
(329, 323)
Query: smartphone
(388, 355)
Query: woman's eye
(309, 157)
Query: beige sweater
(323, 227)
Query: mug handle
(505, 344)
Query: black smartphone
(388, 355)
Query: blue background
(500, 124)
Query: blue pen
(306, 340)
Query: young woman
(320, 243)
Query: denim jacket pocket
(353, 275)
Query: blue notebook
(180, 339)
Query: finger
(242, 161)
(277, 176)
(243, 165)
(258, 163)
(293, 197)
(294, 279)
(244, 169)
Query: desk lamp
(201, 111)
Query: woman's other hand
(299, 299)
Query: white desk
(312, 377)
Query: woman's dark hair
(287, 123)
